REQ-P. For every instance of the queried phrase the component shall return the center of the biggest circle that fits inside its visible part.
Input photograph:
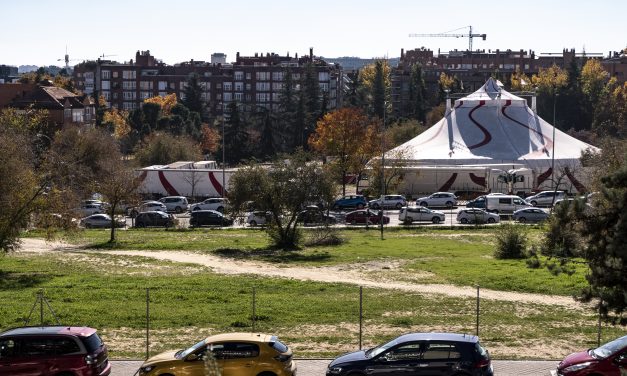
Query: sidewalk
(317, 367)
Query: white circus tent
(492, 128)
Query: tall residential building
(255, 81)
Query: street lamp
(553, 151)
(223, 152)
(383, 188)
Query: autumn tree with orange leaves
(349, 137)
(166, 103)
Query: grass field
(188, 301)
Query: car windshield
(184, 353)
(379, 349)
(609, 348)
(92, 343)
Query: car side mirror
(191, 358)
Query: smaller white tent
(493, 127)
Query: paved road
(317, 367)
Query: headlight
(577, 367)
(335, 370)
(147, 369)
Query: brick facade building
(256, 81)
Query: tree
(193, 95)
(310, 97)
(166, 103)
(549, 82)
(117, 120)
(163, 148)
(417, 94)
(283, 189)
(393, 172)
(235, 135)
(340, 135)
(379, 90)
(210, 141)
(374, 81)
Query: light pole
(553, 147)
(223, 152)
(383, 188)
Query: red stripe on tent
(142, 176)
(459, 104)
(448, 183)
(543, 176)
(580, 187)
(479, 180)
(216, 185)
(486, 135)
(547, 145)
(166, 184)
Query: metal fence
(317, 319)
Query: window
(234, 350)
(145, 85)
(238, 75)
(129, 106)
(182, 85)
(66, 346)
(263, 86)
(323, 76)
(115, 74)
(263, 97)
(163, 93)
(441, 351)
(129, 75)
(408, 351)
(277, 76)
(227, 97)
(127, 95)
(37, 346)
(228, 86)
(163, 85)
(7, 348)
(237, 96)
(129, 85)
(324, 86)
(248, 76)
(239, 86)
(506, 201)
(276, 97)
(106, 85)
(263, 76)
(106, 74)
(295, 76)
(145, 95)
(276, 86)
(77, 116)
(106, 95)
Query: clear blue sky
(37, 31)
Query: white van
(505, 204)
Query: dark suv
(443, 354)
(154, 219)
(53, 350)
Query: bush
(511, 242)
(324, 236)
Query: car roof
(438, 337)
(205, 211)
(81, 331)
(250, 337)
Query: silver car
(477, 216)
(410, 214)
(100, 221)
(177, 204)
(438, 199)
(388, 201)
(530, 215)
(546, 198)
(217, 204)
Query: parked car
(530, 215)
(154, 219)
(479, 202)
(364, 216)
(100, 221)
(89, 209)
(349, 202)
(438, 199)
(176, 204)
(546, 198)
(388, 201)
(53, 350)
(148, 206)
(246, 354)
(607, 360)
(504, 204)
(444, 354)
(259, 218)
(209, 218)
(475, 215)
(313, 215)
(410, 214)
(217, 203)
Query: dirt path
(350, 274)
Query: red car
(53, 350)
(607, 360)
(364, 215)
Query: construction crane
(470, 35)
(103, 56)
(67, 60)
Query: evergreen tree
(570, 101)
(378, 90)
(267, 142)
(193, 95)
(235, 136)
(310, 93)
(286, 130)
(417, 94)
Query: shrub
(324, 236)
(511, 242)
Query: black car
(313, 215)
(209, 218)
(154, 219)
(443, 354)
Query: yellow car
(237, 354)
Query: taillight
(283, 358)
(484, 362)
(90, 359)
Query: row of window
(238, 75)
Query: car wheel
(491, 220)
(424, 203)
(253, 223)
(375, 206)
(220, 209)
(464, 221)
(435, 220)
(522, 219)
(449, 204)
(178, 209)
(399, 205)
(534, 203)
(360, 206)
(87, 225)
(196, 208)
(407, 222)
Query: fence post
(147, 323)
(41, 306)
(477, 328)
(361, 312)
(254, 307)
(599, 327)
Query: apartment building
(255, 81)
(471, 68)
